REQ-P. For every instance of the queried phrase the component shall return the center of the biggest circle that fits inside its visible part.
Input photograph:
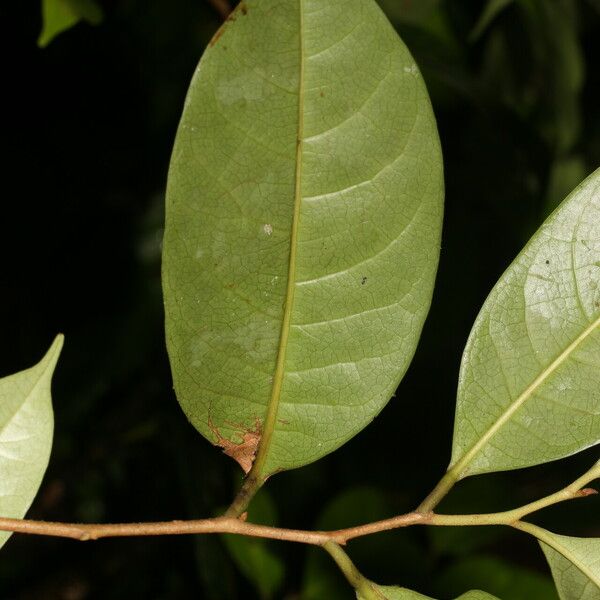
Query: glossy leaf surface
(26, 428)
(529, 389)
(304, 211)
(575, 565)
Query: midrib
(572, 559)
(273, 406)
(464, 462)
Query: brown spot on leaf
(215, 38)
(244, 451)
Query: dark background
(87, 131)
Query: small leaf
(502, 578)
(398, 593)
(407, 11)
(492, 9)
(26, 427)
(575, 565)
(529, 388)
(60, 15)
(303, 226)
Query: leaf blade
(398, 593)
(280, 358)
(26, 428)
(60, 15)
(575, 565)
(531, 362)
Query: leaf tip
(51, 357)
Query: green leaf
(529, 389)
(303, 221)
(26, 426)
(398, 593)
(504, 579)
(492, 9)
(407, 11)
(575, 565)
(254, 556)
(60, 15)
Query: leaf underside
(529, 387)
(26, 428)
(575, 565)
(303, 225)
(398, 593)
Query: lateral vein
(461, 465)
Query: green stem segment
(355, 578)
(445, 484)
(243, 498)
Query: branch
(85, 532)
(228, 524)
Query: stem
(230, 523)
(355, 578)
(84, 533)
(241, 502)
(445, 484)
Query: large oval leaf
(529, 389)
(303, 226)
(26, 428)
(575, 565)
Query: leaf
(302, 235)
(253, 556)
(529, 387)
(398, 593)
(492, 9)
(408, 11)
(502, 578)
(26, 427)
(60, 15)
(575, 565)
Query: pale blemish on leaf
(268, 229)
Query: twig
(229, 524)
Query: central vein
(273, 406)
